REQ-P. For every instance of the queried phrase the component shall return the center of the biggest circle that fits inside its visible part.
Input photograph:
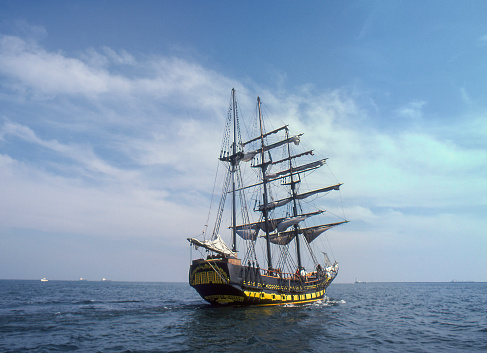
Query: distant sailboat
(283, 229)
(44, 279)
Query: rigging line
(218, 273)
(329, 246)
(211, 201)
(289, 264)
(311, 252)
(242, 93)
(221, 206)
(249, 252)
(341, 202)
(331, 172)
(322, 240)
(268, 112)
(329, 212)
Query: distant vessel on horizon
(44, 279)
(271, 221)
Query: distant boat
(106, 280)
(223, 278)
(44, 279)
(83, 279)
(358, 282)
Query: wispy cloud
(53, 73)
(413, 110)
(81, 155)
(465, 96)
(98, 74)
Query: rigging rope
(211, 202)
(221, 206)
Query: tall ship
(266, 245)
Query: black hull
(226, 282)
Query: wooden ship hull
(225, 281)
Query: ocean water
(62, 316)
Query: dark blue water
(58, 316)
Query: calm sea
(60, 316)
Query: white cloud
(52, 73)
(33, 199)
(400, 168)
(82, 156)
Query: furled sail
(265, 135)
(238, 156)
(273, 204)
(303, 168)
(293, 157)
(217, 245)
(317, 191)
(293, 139)
(290, 221)
(283, 173)
(249, 155)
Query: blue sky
(111, 115)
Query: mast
(234, 167)
(264, 168)
(295, 204)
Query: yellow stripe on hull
(264, 298)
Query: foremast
(231, 153)
(263, 167)
(234, 162)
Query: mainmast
(295, 204)
(234, 162)
(264, 181)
